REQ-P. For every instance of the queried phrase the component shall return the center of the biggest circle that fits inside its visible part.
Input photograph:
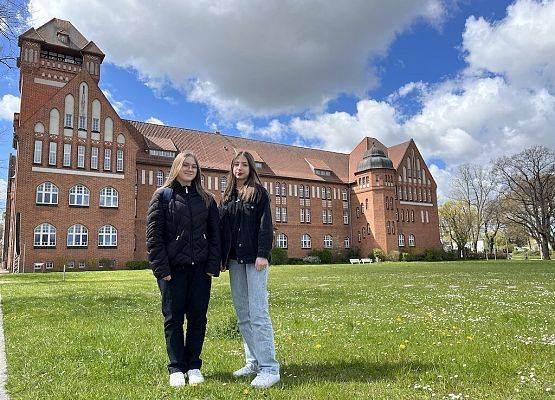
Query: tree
(11, 23)
(474, 186)
(492, 223)
(458, 222)
(527, 186)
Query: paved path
(3, 365)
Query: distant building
(81, 177)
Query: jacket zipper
(191, 220)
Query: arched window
(283, 189)
(411, 240)
(45, 235)
(108, 130)
(301, 191)
(109, 197)
(83, 96)
(68, 110)
(328, 193)
(107, 236)
(47, 193)
(159, 179)
(79, 196)
(347, 242)
(281, 241)
(306, 241)
(121, 139)
(54, 125)
(95, 116)
(39, 127)
(328, 242)
(401, 240)
(77, 236)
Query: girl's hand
(222, 267)
(167, 278)
(210, 274)
(260, 263)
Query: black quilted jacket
(182, 232)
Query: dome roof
(373, 159)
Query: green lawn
(476, 330)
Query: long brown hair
(249, 189)
(196, 182)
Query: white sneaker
(247, 370)
(177, 379)
(195, 377)
(264, 380)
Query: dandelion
(246, 391)
(402, 346)
(317, 346)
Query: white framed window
(96, 124)
(411, 240)
(82, 264)
(346, 217)
(301, 191)
(223, 183)
(47, 193)
(278, 214)
(77, 236)
(96, 115)
(330, 217)
(68, 120)
(71, 264)
(54, 125)
(107, 236)
(306, 241)
(79, 196)
(94, 157)
(159, 179)
(80, 156)
(401, 240)
(347, 242)
(49, 264)
(83, 96)
(283, 189)
(109, 197)
(283, 214)
(107, 159)
(344, 195)
(52, 151)
(119, 160)
(302, 215)
(45, 235)
(307, 215)
(328, 242)
(324, 217)
(37, 155)
(281, 241)
(427, 219)
(67, 155)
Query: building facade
(81, 178)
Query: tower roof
(373, 159)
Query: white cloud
(521, 46)
(9, 104)
(154, 120)
(246, 58)
(122, 107)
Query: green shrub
(405, 256)
(354, 253)
(394, 255)
(378, 253)
(324, 255)
(279, 256)
(134, 264)
(433, 255)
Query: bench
(366, 260)
(354, 260)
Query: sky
(468, 81)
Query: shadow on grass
(340, 371)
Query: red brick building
(81, 177)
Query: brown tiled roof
(215, 151)
(92, 48)
(396, 153)
(49, 33)
(160, 143)
(318, 164)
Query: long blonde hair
(196, 182)
(248, 191)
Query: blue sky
(428, 70)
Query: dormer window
(322, 172)
(258, 165)
(63, 37)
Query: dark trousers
(185, 295)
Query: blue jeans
(250, 299)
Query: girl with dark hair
(247, 235)
(183, 244)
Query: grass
(477, 330)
